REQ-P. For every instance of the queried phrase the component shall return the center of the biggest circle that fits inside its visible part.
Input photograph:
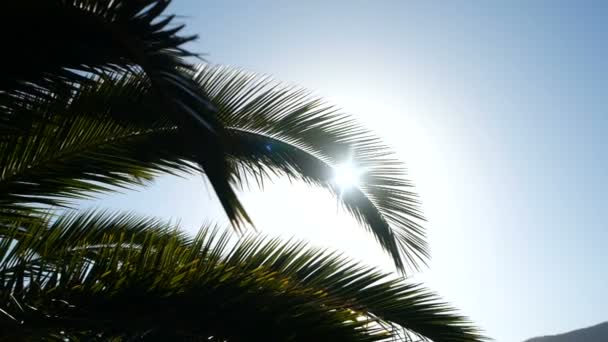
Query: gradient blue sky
(499, 111)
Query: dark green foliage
(97, 95)
(121, 276)
(114, 133)
(67, 41)
(282, 130)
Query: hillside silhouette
(596, 333)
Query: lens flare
(346, 176)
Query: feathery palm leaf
(279, 129)
(87, 36)
(73, 148)
(81, 155)
(72, 281)
(80, 38)
(114, 133)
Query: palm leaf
(119, 36)
(207, 287)
(65, 153)
(121, 136)
(81, 38)
(79, 156)
(284, 130)
(86, 36)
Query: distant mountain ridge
(596, 333)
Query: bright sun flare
(346, 176)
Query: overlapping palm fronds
(53, 48)
(278, 129)
(69, 155)
(100, 276)
(115, 133)
(100, 94)
(66, 41)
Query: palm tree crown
(131, 107)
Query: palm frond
(277, 129)
(110, 134)
(79, 156)
(67, 231)
(81, 38)
(207, 287)
(270, 130)
(67, 39)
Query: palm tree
(128, 109)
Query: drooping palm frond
(285, 130)
(74, 148)
(108, 278)
(65, 42)
(116, 133)
(65, 157)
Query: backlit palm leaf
(283, 129)
(113, 279)
(114, 133)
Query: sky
(498, 110)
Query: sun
(346, 176)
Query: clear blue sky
(500, 112)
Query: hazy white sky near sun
(497, 108)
